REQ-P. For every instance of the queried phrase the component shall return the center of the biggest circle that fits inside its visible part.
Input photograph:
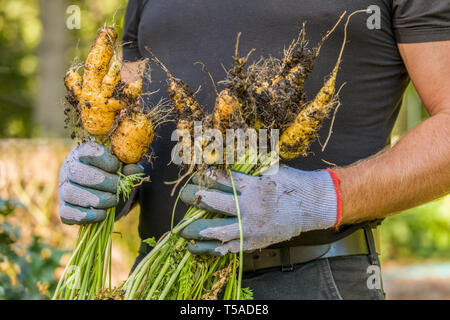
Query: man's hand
(273, 208)
(132, 71)
(88, 183)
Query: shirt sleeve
(130, 30)
(421, 20)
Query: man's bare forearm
(414, 171)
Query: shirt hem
(407, 35)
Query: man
(308, 231)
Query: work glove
(88, 183)
(273, 208)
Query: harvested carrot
(133, 137)
(187, 107)
(97, 106)
(297, 138)
(133, 90)
(298, 63)
(181, 95)
(183, 99)
(111, 79)
(226, 104)
(74, 83)
(97, 61)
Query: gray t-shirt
(182, 32)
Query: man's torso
(181, 33)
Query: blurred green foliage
(18, 65)
(422, 232)
(25, 272)
(94, 15)
(419, 233)
(20, 36)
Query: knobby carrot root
(187, 107)
(297, 138)
(74, 83)
(133, 137)
(111, 79)
(97, 61)
(298, 63)
(183, 99)
(98, 114)
(94, 91)
(134, 89)
(226, 104)
(181, 95)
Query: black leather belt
(364, 241)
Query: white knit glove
(274, 208)
(88, 183)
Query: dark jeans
(322, 279)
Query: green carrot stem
(230, 285)
(108, 261)
(158, 278)
(174, 275)
(152, 253)
(109, 257)
(148, 271)
(178, 198)
(85, 277)
(91, 256)
(198, 291)
(241, 235)
(77, 248)
(91, 244)
(196, 214)
(106, 243)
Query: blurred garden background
(36, 48)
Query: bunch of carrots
(267, 95)
(104, 109)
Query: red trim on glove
(337, 188)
